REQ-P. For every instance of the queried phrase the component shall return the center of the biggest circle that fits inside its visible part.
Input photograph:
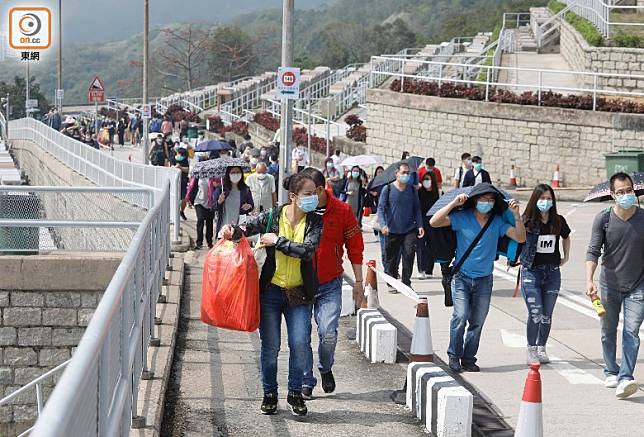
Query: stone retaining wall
(534, 139)
(613, 60)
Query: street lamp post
(146, 53)
(27, 112)
(286, 123)
(59, 101)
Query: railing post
(487, 86)
(594, 92)
(540, 85)
(402, 76)
(328, 134)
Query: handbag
(259, 251)
(449, 271)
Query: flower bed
(356, 131)
(300, 134)
(216, 125)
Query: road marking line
(574, 375)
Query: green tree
(16, 91)
(232, 54)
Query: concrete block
(383, 342)
(420, 384)
(27, 299)
(59, 317)
(348, 304)
(66, 336)
(8, 336)
(412, 369)
(454, 409)
(90, 299)
(6, 375)
(21, 316)
(24, 375)
(34, 336)
(24, 356)
(58, 299)
(4, 298)
(53, 356)
(84, 316)
(6, 414)
(360, 317)
(25, 413)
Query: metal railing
(599, 13)
(3, 126)
(100, 168)
(550, 26)
(540, 85)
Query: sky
(112, 20)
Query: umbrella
(362, 160)
(451, 195)
(212, 146)
(389, 175)
(601, 192)
(216, 168)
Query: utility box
(627, 161)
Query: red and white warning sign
(96, 91)
(288, 82)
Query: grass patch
(482, 77)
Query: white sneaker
(421, 275)
(543, 356)
(532, 355)
(626, 388)
(611, 381)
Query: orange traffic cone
(370, 289)
(556, 181)
(421, 342)
(530, 423)
(513, 177)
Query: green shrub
(623, 39)
(555, 6)
(583, 26)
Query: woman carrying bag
(288, 284)
(354, 192)
(428, 195)
(540, 264)
(232, 199)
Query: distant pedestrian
(354, 193)
(428, 194)
(246, 144)
(166, 126)
(159, 153)
(335, 179)
(232, 199)
(459, 174)
(430, 165)
(120, 129)
(181, 162)
(337, 160)
(618, 237)
(401, 223)
(540, 267)
(199, 194)
(183, 129)
(476, 175)
(262, 187)
(300, 158)
(373, 193)
(56, 120)
(472, 284)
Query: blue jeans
(471, 304)
(326, 310)
(273, 304)
(633, 304)
(540, 288)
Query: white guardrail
(100, 168)
(97, 391)
(599, 13)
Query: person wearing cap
(159, 152)
(472, 284)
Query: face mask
(544, 205)
(235, 178)
(329, 165)
(625, 201)
(262, 153)
(404, 178)
(484, 207)
(179, 157)
(308, 203)
(478, 166)
(427, 184)
(261, 176)
(355, 174)
(159, 142)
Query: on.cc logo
(29, 28)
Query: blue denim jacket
(530, 248)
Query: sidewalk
(215, 386)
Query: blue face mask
(404, 178)
(478, 166)
(544, 205)
(180, 157)
(625, 201)
(484, 207)
(308, 203)
(355, 174)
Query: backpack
(155, 125)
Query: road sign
(60, 94)
(31, 103)
(146, 111)
(96, 91)
(288, 83)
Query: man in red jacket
(340, 230)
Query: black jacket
(304, 251)
(469, 180)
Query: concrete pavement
(575, 400)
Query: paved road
(575, 401)
(215, 389)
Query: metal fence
(100, 168)
(599, 14)
(3, 126)
(79, 219)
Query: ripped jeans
(540, 288)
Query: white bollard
(348, 304)
(384, 343)
(454, 409)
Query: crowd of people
(322, 218)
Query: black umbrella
(216, 168)
(212, 146)
(480, 189)
(389, 175)
(601, 192)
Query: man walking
(619, 232)
(459, 174)
(401, 223)
(472, 284)
(262, 187)
(476, 175)
(340, 230)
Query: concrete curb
(151, 394)
(444, 406)
(377, 338)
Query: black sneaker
(269, 404)
(307, 393)
(198, 246)
(296, 402)
(470, 367)
(455, 365)
(328, 382)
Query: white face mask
(261, 176)
(235, 178)
(427, 184)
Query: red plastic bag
(230, 289)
